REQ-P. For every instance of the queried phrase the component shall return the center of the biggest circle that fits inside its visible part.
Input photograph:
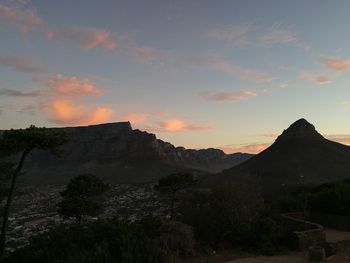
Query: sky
(224, 74)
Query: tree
(20, 143)
(81, 197)
(172, 184)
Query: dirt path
(293, 258)
(333, 235)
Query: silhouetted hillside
(120, 154)
(299, 156)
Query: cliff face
(120, 154)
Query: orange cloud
(250, 148)
(337, 64)
(66, 104)
(83, 37)
(176, 125)
(72, 86)
(227, 95)
(17, 15)
(135, 118)
(65, 112)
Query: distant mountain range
(119, 154)
(300, 156)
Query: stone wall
(306, 232)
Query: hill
(300, 156)
(120, 154)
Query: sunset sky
(224, 74)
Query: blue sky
(228, 74)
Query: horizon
(197, 74)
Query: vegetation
(172, 184)
(82, 197)
(22, 142)
(147, 241)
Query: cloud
(345, 105)
(251, 34)
(66, 112)
(83, 37)
(319, 79)
(27, 109)
(20, 63)
(341, 138)
(220, 64)
(276, 35)
(249, 148)
(337, 64)
(236, 34)
(175, 125)
(72, 86)
(18, 15)
(17, 93)
(227, 95)
(145, 53)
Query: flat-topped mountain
(299, 156)
(120, 154)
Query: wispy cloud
(319, 79)
(21, 63)
(19, 15)
(227, 95)
(17, 93)
(234, 34)
(83, 37)
(251, 34)
(341, 138)
(221, 64)
(338, 64)
(277, 34)
(145, 53)
(345, 105)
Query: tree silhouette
(20, 143)
(81, 197)
(173, 183)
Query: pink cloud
(319, 79)
(227, 95)
(220, 64)
(21, 63)
(72, 86)
(83, 37)
(18, 15)
(337, 64)
(249, 148)
(176, 125)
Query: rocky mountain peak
(300, 129)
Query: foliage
(174, 183)
(81, 197)
(105, 241)
(22, 142)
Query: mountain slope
(299, 156)
(120, 154)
